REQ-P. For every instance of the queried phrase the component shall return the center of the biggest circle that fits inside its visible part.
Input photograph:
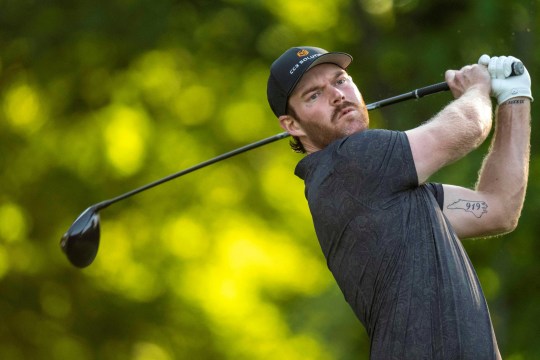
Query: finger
(494, 66)
(484, 60)
(501, 67)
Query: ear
(291, 125)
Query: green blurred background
(100, 97)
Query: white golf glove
(504, 86)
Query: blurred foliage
(100, 97)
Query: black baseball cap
(288, 69)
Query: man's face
(327, 106)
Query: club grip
(431, 89)
(517, 68)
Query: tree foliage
(100, 97)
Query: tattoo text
(477, 208)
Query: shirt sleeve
(438, 192)
(378, 163)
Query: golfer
(391, 239)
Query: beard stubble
(322, 135)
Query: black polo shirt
(393, 253)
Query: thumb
(450, 75)
(484, 60)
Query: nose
(337, 96)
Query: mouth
(346, 108)
(344, 112)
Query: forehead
(317, 74)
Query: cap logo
(303, 54)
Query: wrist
(478, 93)
(516, 101)
(513, 94)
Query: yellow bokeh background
(97, 99)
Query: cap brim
(343, 60)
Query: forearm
(470, 114)
(505, 169)
(450, 135)
(470, 121)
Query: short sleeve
(438, 192)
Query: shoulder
(365, 150)
(370, 139)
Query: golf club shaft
(415, 94)
(224, 156)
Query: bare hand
(469, 77)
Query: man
(391, 240)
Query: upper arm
(473, 213)
(427, 150)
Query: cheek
(314, 112)
(355, 94)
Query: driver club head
(80, 243)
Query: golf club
(80, 243)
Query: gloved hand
(504, 86)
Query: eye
(314, 95)
(342, 80)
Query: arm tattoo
(517, 101)
(477, 208)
